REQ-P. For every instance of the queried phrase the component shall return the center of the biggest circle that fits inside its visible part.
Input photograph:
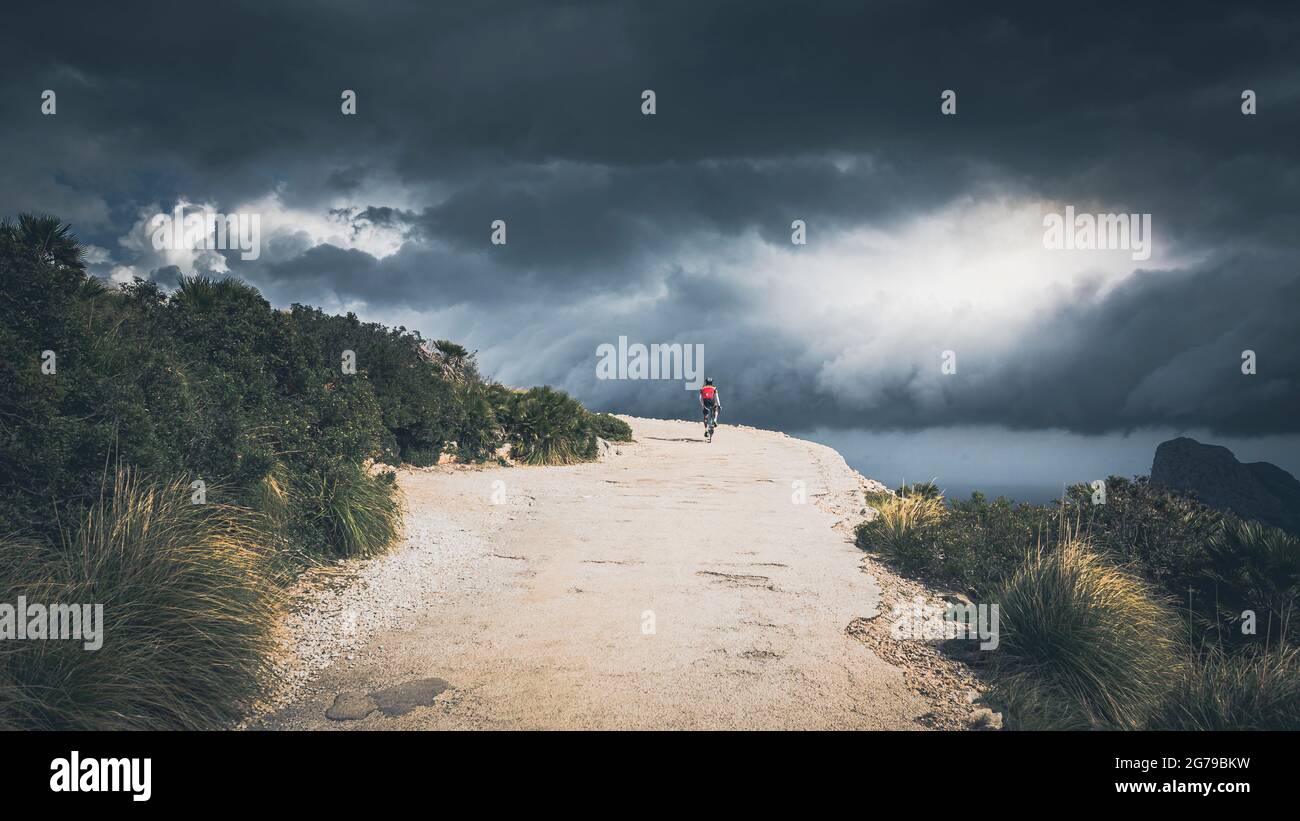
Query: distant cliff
(1255, 490)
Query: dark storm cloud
(1052, 94)
(565, 218)
(766, 113)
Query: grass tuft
(1083, 643)
(357, 515)
(903, 530)
(1241, 691)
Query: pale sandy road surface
(675, 584)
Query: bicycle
(710, 422)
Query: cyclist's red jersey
(708, 393)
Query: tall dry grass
(190, 603)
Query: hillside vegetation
(139, 426)
(1148, 610)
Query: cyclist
(710, 403)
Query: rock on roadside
(351, 706)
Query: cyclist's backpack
(709, 394)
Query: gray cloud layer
(621, 224)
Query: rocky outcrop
(1254, 490)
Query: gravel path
(674, 584)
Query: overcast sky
(924, 231)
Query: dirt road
(675, 584)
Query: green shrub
(190, 606)
(1216, 565)
(1255, 567)
(1164, 536)
(1164, 532)
(611, 428)
(547, 427)
(983, 543)
(904, 531)
(974, 544)
(477, 433)
(116, 394)
(1245, 691)
(1082, 643)
(417, 405)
